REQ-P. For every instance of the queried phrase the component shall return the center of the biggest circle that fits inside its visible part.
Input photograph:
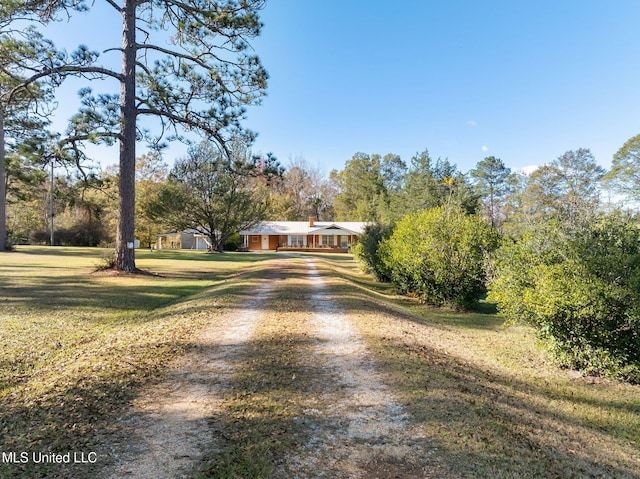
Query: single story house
(183, 240)
(302, 235)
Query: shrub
(39, 237)
(366, 251)
(440, 255)
(233, 243)
(579, 286)
(17, 236)
(107, 262)
(88, 233)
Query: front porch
(312, 249)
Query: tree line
(558, 248)
(381, 190)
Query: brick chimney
(311, 223)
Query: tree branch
(174, 54)
(212, 132)
(114, 5)
(64, 70)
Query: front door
(265, 241)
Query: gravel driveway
(359, 428)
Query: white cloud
(528, 169)
(485, 148)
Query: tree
(303, 191)
(366, 185)
(492, 183)
(22, 119)
(80, 208)
(151, 174)
(3, 187)
(566, 188)
(420, 184)
(576, 177)
(360, 188)
(393, 171)
(30, 68)
(203, 194)
(429, 184)
(294, 194)
(25, 200)
(22, 132)
(625, 169)
(322, 195)
(184, 63)
(367, 250)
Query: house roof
(195, 233)
(304, 228)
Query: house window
(344, 241)
(255, 239)
(328, 240)
(296, 240)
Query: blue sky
(523, 81)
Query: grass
(488, 396)
(75, 346)
(260, 419)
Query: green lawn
(75, 345)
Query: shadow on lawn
(45, 286)
(142, 253)
(493, 424)
(275, 413)
(354, 300)
(71, 417)
(260, 421)
(499, 426)
(85, 292)
(266, 416)
(59, 251)
(186, 255)
(498, 433)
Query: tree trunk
(3, 189)
(125, 253)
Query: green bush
(440, 256)
(86, 233)
(579, 286)
(233, 243)
(366, 251)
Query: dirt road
(347, 422)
